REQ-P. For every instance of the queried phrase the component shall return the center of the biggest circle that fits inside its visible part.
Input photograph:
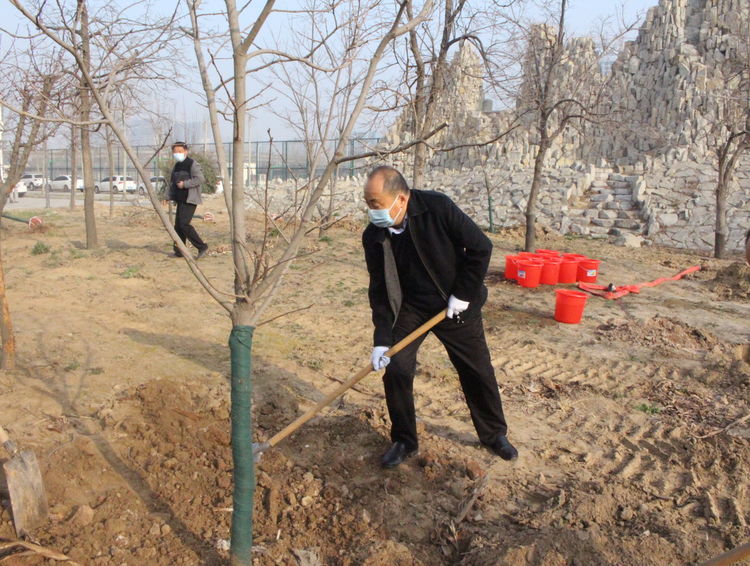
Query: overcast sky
(583, 17)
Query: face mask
(381, 217)
(179, 157)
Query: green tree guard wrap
(240, 345)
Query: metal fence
(286, 159)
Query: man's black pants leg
(467, 349)
(399, 380)
(183, 226)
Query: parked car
(160, 185)
(120, 184)
(64, 182)
(19, 189)
(34, 181)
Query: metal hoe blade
(258, 449)
(28, 499)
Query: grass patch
(314, 364)
(131, 272)
(54, 259)
(648, 409)
(72, 366)
(326, 239)
(348, 303)
(40, 248)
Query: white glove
(379, 361)
(456, 306)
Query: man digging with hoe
(423, 254)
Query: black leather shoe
(176, 254)
(397, 453)
(201, 253)
(503, 448)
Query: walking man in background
(185, 189)
(424, 255)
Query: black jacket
(453, 249)
(189, 171)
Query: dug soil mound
(733, 282)
(661, 333)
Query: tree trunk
(86, 160)
(45, 173)
(536, 182)
(6, 327)
(240, 343)
(213, 113)
(88, 184)
(721, 233)
(488, 189)
(243, 474)
(420, 162)
(73, 167)
(111, 165)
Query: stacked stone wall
(664, 98)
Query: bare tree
(729, 132)
(211, 100)
(320, 96)
(28, 97)
(80, 35)
(561, 89)
(257, 274)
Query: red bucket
(569, 305)
(553, 253)
(568, 270)
(511, 267)
(550, 270)
(588, 270)
(529, 272)
(574, 256)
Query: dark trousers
(182, 225)
(467, 349)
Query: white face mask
(179, 157)
(381, 217)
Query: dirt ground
(632, 447)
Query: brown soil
(622, 422)
(733, 282)
(661, 333)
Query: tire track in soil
(650, 455)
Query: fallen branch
(283, 314)
(726, 428)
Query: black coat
(453, 249)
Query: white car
(33, 181)
(120, 184)
(19, 189)
(64, 182)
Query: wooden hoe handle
(356, 378)
(730, 557)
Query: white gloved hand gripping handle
(456, 306)
(378, 358)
